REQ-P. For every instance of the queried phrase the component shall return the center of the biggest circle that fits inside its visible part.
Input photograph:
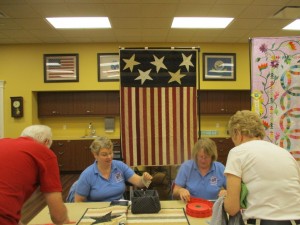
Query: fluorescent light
(201, 22)
(79, 22)
(295, 25)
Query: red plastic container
(199, 208)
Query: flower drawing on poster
(275, 66)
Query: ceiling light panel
(295, 25)
(79, 22)
(201, 22)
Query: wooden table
(76, 210)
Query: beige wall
(21, 67)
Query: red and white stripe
(159, 124)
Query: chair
(71, 195)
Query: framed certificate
(108, 67)
(219, 66)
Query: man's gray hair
(40, 133)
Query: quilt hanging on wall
(158, 105)
(275, 81)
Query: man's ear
(47, 143)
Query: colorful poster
(275, 80)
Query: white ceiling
(146, 21)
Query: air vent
(3, 15)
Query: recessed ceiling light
(295, 25)
(201, 22)
(79, 22)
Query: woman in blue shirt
(104, 180)
(202, 176)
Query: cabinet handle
(60, 165)
(60, 144)
(88, 111)
(61, 153)
(54, 112)
(222, 110)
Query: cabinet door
(74, 155)
(223, 102)
(232, 101)
(212, 102)
(61, 149)
(89, 103)
(223, 145)
(55, 103)
(113, 103)
(81, 157)
(78, 103)
(245, 100)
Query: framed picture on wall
(61, 68)
(108, 66)
(219, 66)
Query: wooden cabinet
(223, 102)
(223, 145)
(78, 103)
(90, 103)
(75, 155)
(55, 103)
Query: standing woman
(270, 173)
(202, 176)
(104, 180)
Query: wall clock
(16, 107)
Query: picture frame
(108, 66)
(219, 66)
(61, 68)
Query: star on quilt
(158, 63)
(186, 61)
(144, 76)
(175, 77)
(130, 63)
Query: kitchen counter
(79, 138)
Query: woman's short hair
(40, 133)
(246, 123)
(99, 143)
(208, 146)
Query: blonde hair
(208, 146)
(246, 123)
(99, 143)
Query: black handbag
(145, 201)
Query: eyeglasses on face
(203, 157)
(106, 154)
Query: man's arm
(57, 208)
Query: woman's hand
(222, 193)
(184, 194)
(146, 179)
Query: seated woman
(104, 180)
(202, 176)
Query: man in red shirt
(26, 163)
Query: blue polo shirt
(206, 187)
(92, 185)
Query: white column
(2, 82)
